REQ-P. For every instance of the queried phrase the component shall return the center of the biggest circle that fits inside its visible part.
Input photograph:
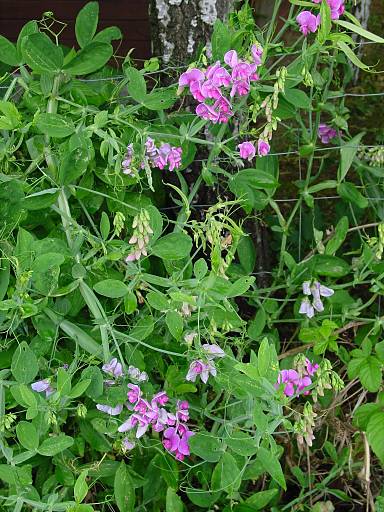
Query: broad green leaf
(86, 23)
(105, 225)
(88, 60)
(137, 88)
(29, 28)
(54, 445)
(108, 34)
(358, 29)
(124, 490)
(81, 487)
(206, 446)
(172, 501)
(241, 443)
(73, 166)
(24, 364)
(226, 476)
(256, 326)
(332, 266)
(54, 125)
(42, 199)
(298, 98)
(143, 328)
(41, 54)
(160, 100)
(8, 52)
(174, 246)
(11, 118)
(370, 374)
(260, 500)
(5, 269)
(221, 40)
(45, 262)
(338, 238)
(247, 254)
(271, 465)
(375, 435)
(80, 388)
(169, 470)
(111, 288)
(63, 382)
(27, 435)
(174, 323)
(157, 301)
(350, 192)
(240, 286)
(326, 23)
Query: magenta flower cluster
(309, 22)
(148, 413)
(215, 88)
(203, 368)
(160, 157)
(296, 382)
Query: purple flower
(134, 393)
(317, 291)
(306, 308)
(263, 148)
(213, 351)
(257, 53)
(308, 22)
(126, 163)
(199, 368)
(231, 58)
(127, 444)
(176, 440)
(247, 150)
(326, 133)
(190, 76)
(196, 91)
(337, 8)
(43, 385)
(160, 398)
(112, 411)
(114, 368)
(295, 382)
(311, 368)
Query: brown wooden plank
(67, 9)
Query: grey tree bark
(178, 27)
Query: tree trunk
(179, 27)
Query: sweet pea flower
(190, 76)
(257, 53)
(231, 58)
(127, 445)
(202, 369)
(317, 290)
(296, 382)
(176, 441)
(112, 411)
(326, 133)
(306, 308)
(213, 351)
(337, 8)
(134, 393)
(247, 150)
(311, 368)
(41, 386)
(113, 368)
(263, 148)
(308, 22)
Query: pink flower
(311, 368)
(308, 22)
(199, 368)
(112, 411)
(160, 398)
(213, 351)
(127, 444)
(176, 441)
(337, 8)
(240, 87)
(295, 382)
(231, 58)
(221, 77)
(134, 394)
(243, 71)
(326, 133)
(210, 90)
(247, 150)
(114, 368)
(190, 76)
(257, 53)
(196, 91)
(263, 147)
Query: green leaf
(349, 192)
(175, 324)
(54, 445)
(174, 246)
(81, 487)
(137, 88)
(8, 52)
(298, 98)
(247, 254)
(352, 56)
(256, 326)
(169, 470)
(339, 236)
(172, 501)
(241, 443)
(73, 166)
(347, 154)
(226, 476)
(105, 225)
(5, 271)
(63, 382)
(206, 446)
(91, 58)
(79, 388)
(240, 286)
(375, 435)
(45, 262)
(221, 40)
(41, 54)
(272, 466)
(41, 200)
(260, 500)
(332, 266)
(124, 490)
(108, 34)
(54, 125)
(358, 29)
(24, 364)
(326, 23)
(27, 435)
(111, 288)
(157, 300)
(11, 118)
(28, 29)
(86, 23)
(370, 374)
(160, 100)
